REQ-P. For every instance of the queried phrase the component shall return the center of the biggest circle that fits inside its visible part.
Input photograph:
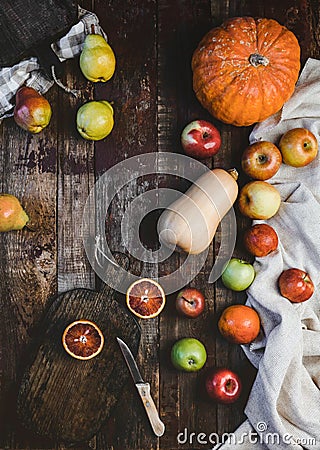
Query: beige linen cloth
(283, 409)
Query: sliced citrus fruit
(83, 339)
(146, 298)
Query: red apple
(298, 147)
(223, 386)
(260, 240)
(295, 285)
(261, 160)
(190, 302)
(200, 139)
(259, 200)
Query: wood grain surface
(53, 173)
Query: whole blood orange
(239, 324)
(83, 339)
(146, 298)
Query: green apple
(238, 275)
(95, 120)
(188, 354)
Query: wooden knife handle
(157, 425)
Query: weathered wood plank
(131, 30)
(75, 179)
(28, 258)
(176, 107)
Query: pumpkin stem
(234, 173)
(257, 60)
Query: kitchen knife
(143, 389)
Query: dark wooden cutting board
(68, 399)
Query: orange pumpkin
(246, 69)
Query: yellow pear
(95, 120)
(97, 60)
(12, 215)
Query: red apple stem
(230, 384)
(262, 158)
(188, 301)
(306, 278)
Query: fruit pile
(94, 119)
(258, 199)
(238, 324)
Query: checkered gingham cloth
(27, 72)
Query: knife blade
(143, 389)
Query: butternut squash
(190, 223)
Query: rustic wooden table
(52, 174)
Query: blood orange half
(146, 298)
(83, 339)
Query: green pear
(32, 111)
(95, 120)
(12, 215)
(97, 60)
